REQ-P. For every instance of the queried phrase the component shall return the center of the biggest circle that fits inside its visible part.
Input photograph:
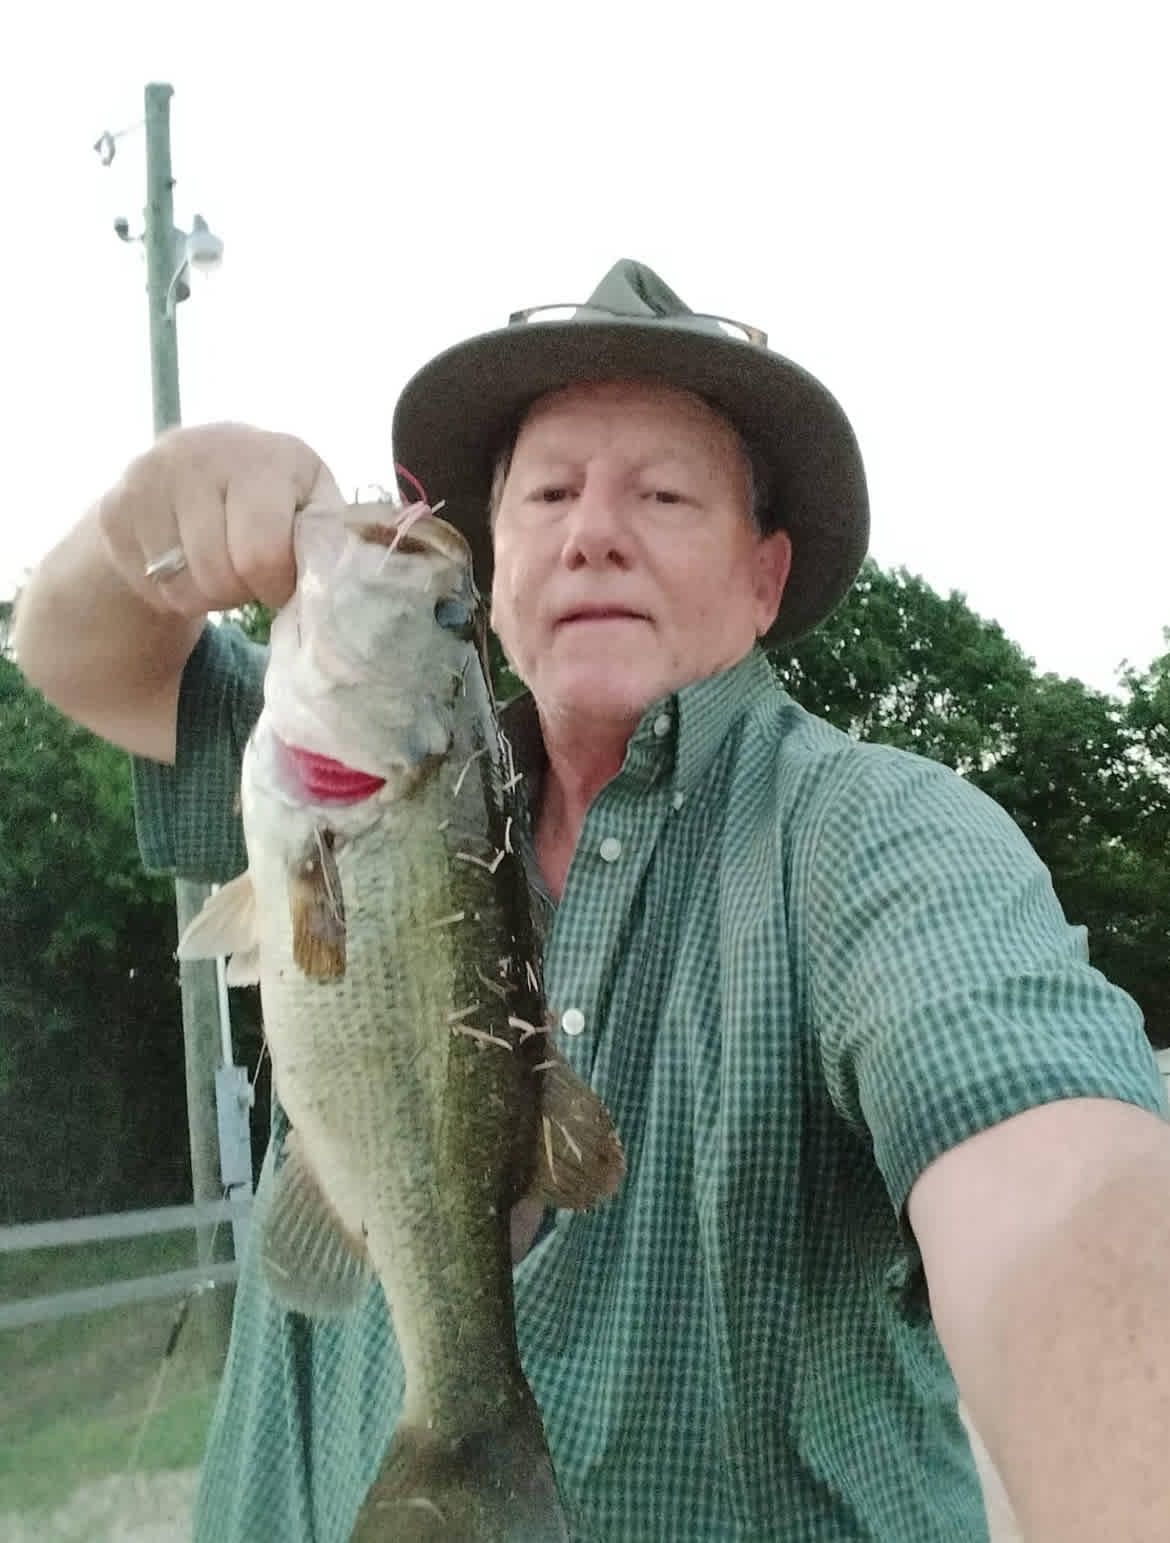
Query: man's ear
(773, 563)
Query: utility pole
(159, 242)
(198, 983)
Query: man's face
(626, 560)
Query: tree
(902, 665)
(91, 1063)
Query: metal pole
(159, 241)
(199, 989)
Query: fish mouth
(415, 533)
(319, 779)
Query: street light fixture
(198, 251)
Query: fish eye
(455, 615)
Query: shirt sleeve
(947, 988)
(187, 815)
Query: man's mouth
(587, 613)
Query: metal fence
(124, 1224)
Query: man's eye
(666, 496)
(552, 495)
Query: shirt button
(610, 849)
(678, 800)
(662, 725)
(573, 1020)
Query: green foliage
(90, 1086)
(254, 619)
(1148, 707)
(504, 683)
(900, 664)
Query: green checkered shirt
(806, 968)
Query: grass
(76, 1391)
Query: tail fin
(492, 1486)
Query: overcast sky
(952, 214)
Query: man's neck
(580, 763)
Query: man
(882, 1120)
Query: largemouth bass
(385, 914)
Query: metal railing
(123, 1224)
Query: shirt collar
(679, 734)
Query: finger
(175, 591)
(231, 489)
(139, 526)
(210, 581)
(260, 512)
(286, 457)
(225, 495)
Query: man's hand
(224, 495)
(107, 644)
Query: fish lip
(320, 779)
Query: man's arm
(98, 651)
(1046, 1245)
(106, 644)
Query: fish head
(371, 655)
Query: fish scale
(382, 1094)
(396, 956)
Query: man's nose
(596, 535)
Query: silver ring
(168, 566)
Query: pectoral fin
(244, 968)
(579, 1159)
(318, 912)
(311, 1259)
(225, 925)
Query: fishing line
(179, 1323)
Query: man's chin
(608, 698)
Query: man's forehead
(678, 420)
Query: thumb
(323, 492)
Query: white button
(610, 849)
(573, 1020)
(662, 725)
(678, 800)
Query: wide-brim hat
(459, 411)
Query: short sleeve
(947, 988)
(187, 815)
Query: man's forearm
(1067, 1371)
(96, 650)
